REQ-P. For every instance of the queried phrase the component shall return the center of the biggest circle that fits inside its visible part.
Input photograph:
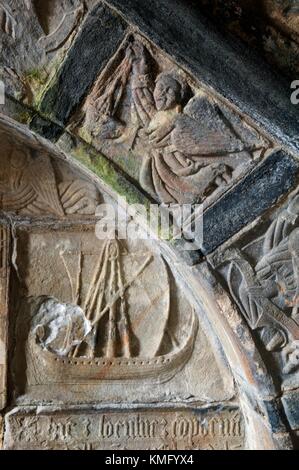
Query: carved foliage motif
(263, 279)
(183, 143)
(4, 274)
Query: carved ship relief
(101, 341)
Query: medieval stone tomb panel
(93, 315)
(161, 429)
(260, 270)
(171, 135)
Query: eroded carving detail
(7, 21)
(164, 430)
(4, 274)
(58, 20)
(29, 186)
(104, 342)
(267, 290)
(185, 145)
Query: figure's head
(170, 91)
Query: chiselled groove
(31, 185)
(218, 428)
(8, 23)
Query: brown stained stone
(46, 29)
(125, 430)
(35, 184)
(161, 345)
(116, 343)
(171, 135)
(4, 277)
(1, 431)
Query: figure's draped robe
(167, 173)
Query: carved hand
(223, 174)
(159, 137)
(140, 66)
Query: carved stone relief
(32, 183)
(46, 29)
(262, 277)
(145, 430)
(58, 20)
(169, 134)
(111, 342)
(89, 326)
(4, 276)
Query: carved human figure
(268, 295)
(188, 139)
(186, 145)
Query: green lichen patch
(105, 170)
(24, 117)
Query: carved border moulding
(178, 142)
(263, 278)
(4, 278)
(162, 429)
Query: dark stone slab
(248, 200)
(291, 405)
(276, 415)
(45, 128)
(101, 35)
(231, 68)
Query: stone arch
(227, 332)
(95, 130)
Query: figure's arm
(142, 85)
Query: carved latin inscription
(4, 273)
(152, 430)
